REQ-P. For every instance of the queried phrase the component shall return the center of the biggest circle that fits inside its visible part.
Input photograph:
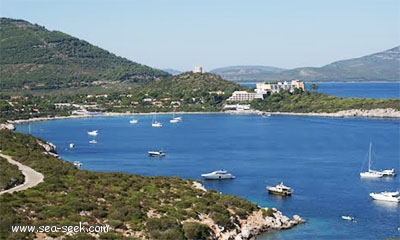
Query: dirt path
(32, 178)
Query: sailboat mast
(369, 156)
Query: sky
(182, 34)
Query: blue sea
(319, 157)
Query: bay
(319, 157)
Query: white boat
(155, 123)
(77, 164)
(220, 174)
(156, 153)
(387, 172)
(280, 189)
(370, 173)
(71, 145)
(348, 218)
(175, 119)
(93, 141)
(133, 121)
(93, 133)
(386, 196)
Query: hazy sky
(181, 34)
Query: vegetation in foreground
(151, 207)
(10, 175)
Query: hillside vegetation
(145, 207)
(32, 57)
(313, 102)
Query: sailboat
(155, 123)
(370, 173)
(175, 119)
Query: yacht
(220, 174)
(93, 133)
(133, 121)
(280, 189)
(93, 141)
(175, 119)
(155, 123)
(71, 145)
(370, 173)
(388, 172)
(348, 218)
(156, 153)
(386, 196)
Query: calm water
(319, 157)
(358, 90)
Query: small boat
(93, 133)
(175, 119)
(155, 123)
(71, 145)
(348, 218)
(280, 189)
(388, 172)
(77, 164)
(93, 141)
(133, 121)
(218, 175)
(370, 173)
(156, 153)
(386, 196)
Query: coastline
(373, 113)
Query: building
(243, 96)
(269, 88)
(198, 69)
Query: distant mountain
(246, 73)
(172, 71)
(382, 66)
(32, 57)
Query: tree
(313, 87)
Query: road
(32, 178)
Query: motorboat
(71, 145)
(218, 175)
(370, 173)
(388, 172)
(93, 133)
(386, 196)
(280, 189)
(156, 153)
(93, 141)
(348, 218)
(77, 164)
(133, 121)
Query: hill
(32, 57)
(246, 73)
(381, 66)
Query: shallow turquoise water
(319, 157)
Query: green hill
(32, 57)
(381, 66)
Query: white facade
(198, 69)
(241, 96)
(265, 88)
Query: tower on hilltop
(198, 69)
